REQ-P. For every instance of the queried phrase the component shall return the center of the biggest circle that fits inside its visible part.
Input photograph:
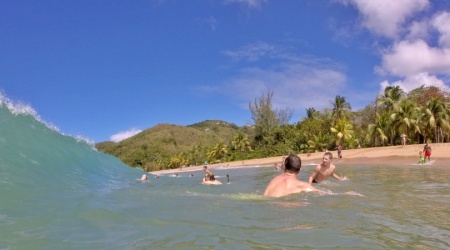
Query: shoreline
(406, 155)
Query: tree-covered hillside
(422, 115)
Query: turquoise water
(58, 193)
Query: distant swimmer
(287, 183)
(191, 175)
(277, 168)
(207, 172)
(211, 180)
(174, 175)
(144, 177)
(325, 170)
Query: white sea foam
(20, 108)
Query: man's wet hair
(292, 164)
(330, 155)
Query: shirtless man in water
(287, 183)
(325, 170)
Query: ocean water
(58, 193)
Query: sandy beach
(406, 155)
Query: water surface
(59, 193)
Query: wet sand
(406, 155)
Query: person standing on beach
(287, 183)
(403, 139)
(427, 150)
(325, 170)
(339, 150)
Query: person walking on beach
(287, 183)
(325, 170)
(427, 150)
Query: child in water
(421, 158)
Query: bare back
(285, 184)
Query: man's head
(327, 157)
(292, 164)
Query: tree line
(422, 114)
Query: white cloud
(411, 58)
(249, 3)
(252, 52)
(441, 22)
(295, 85)
(124, 135)
(212, 22)
(386, 17)
(418, 30)
(415, 81)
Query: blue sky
(104, 70)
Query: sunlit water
(59, 193)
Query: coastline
(406, 155)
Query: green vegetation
(422, 114)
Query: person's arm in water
(337, 177)
(310, 188)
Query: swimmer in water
(325, 170)
(421, 158)
(211, 180)
(144, 177)
(287, 183)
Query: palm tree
(175, 161)
(391, 98)
(218, 152)
(343, 130)
(241, 143)
(436, 115)
(318, 142)
(341, 109)
(405, 118)
(377, 130)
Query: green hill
(163, 141)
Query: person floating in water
(144, 177)
(325, 170)
(421, 158)
(287, 183)
(211, 180)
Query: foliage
(423, 114)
